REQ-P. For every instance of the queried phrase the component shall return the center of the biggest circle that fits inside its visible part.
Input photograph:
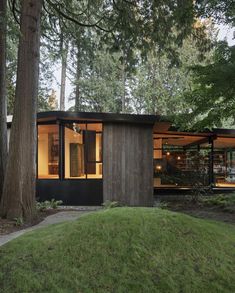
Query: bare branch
(96, 24)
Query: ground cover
(219, 207)
(123, 250)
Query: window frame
(86, 122)
(61, 170)
(51, 122)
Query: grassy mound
(123, 250)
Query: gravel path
(53, 219)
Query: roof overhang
(98, 117)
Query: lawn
(123, 250)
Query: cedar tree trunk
(63, 74)
(18, 199)
(77, 90)
(3, 104)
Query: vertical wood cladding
(128, 163)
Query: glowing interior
(181, 160)
(48, 151)
(82, 151)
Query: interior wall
(70, 137)
(43, 154)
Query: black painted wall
(71, 192)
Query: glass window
(83, 150)
(224, 162)
(74, 151)
(48, 151)
(180, 161)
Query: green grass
(123, 250)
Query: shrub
(199, 191)
(19, 221)
(45, 205)
(55, 203)
(222, 201)
(108, 204)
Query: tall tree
(3, 104)
(64, 55)
(18, 199)
(213, 91)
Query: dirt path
(53, 219)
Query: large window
(83, 150)
(48, 151)
(180, 161)
(224, 162)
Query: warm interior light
(158, 167)
(168, 153)
(178, 158)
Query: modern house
(88, 158)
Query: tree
(19, 185)
(3, 104)
(159, 82)
(213, 91)
(101, 85)
(219, 10)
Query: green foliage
(108, 204)
(198, 191)
(163, 205)
(220, 10)
(19, 221)
(222, 201)
(123, 250)
(158, 85)
(213, 92)
(48, 204)
(100, 86)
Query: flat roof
(102, 117)
(161, 123)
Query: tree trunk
(18, 198)
(124, 87)
(77, 90)
(3, 104)
(63, 74)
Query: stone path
(53, 219)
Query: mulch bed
(9, 226)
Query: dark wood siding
(128, 163)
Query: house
(88, 158)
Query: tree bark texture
(18, 198)
(77, 89)
(3, 104)
(64, 49)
